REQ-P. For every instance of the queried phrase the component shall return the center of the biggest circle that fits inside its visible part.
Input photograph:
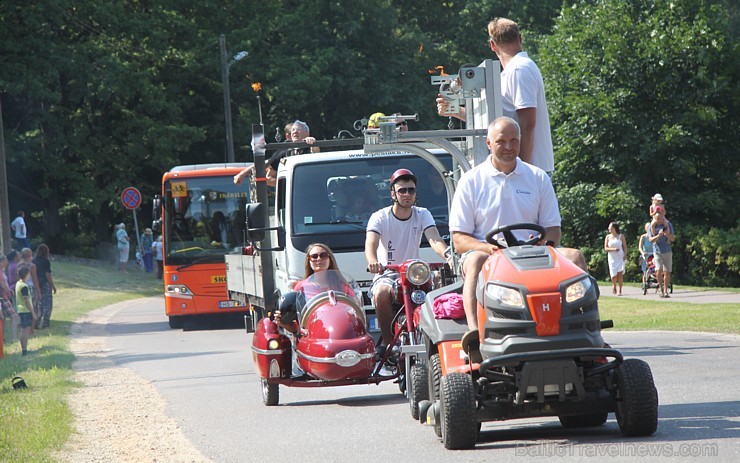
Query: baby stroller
(649, 279)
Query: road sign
(131, 198)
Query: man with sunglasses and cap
(393, 235)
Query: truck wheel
(419, 388)
(637, 398)
(270, 393)
(435, 375)
(457, 413)
(584, 421)
(177, 322)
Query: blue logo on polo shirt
(522, 192)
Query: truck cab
(328, 198)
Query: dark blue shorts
(26, 319)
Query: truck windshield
(333, 202)
(204, 219)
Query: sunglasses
(406, 191)
(320, 255)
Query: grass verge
(650, 314)
(638, 315)
(36, 421)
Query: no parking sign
(131, 198)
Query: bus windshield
(203, 219)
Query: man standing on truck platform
(522, 94)
(502, 190)
(393, 235)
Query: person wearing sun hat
(657, 202)
(660, 234)
(147, 239)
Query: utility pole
(225, 65)
(5, 238)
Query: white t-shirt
(157, 250)
(486, 198)
(399, 239)
(522, 87)
(19, 226)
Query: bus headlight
(181, 291)
(418, 273)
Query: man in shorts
(661, 236)
(393, 235)
(503, 190)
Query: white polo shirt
(487, 198)
(399, 239)
(522, 87)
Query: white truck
(315, 193)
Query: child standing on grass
(24, 306)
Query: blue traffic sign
(131, 198)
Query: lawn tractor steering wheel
(510, 237)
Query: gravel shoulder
(119, 417)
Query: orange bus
(201, 218)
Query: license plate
(372, 323)
(228, 304)
(218, 279)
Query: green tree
(643, 98)
(88, 111)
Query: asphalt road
(207, 380)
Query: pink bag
(450, 306)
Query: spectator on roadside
(522, 92)
(21, 233)
(158, 250)
(24, 306)
(46, 285)
(14, 258)
(6, 300)
(656, 201)
(646, 250)
(147, 239)
(33, 281)
(122, 243)
(660, 234)
(662, 221)
(616, 248)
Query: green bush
(707, 256)
(79, 245)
